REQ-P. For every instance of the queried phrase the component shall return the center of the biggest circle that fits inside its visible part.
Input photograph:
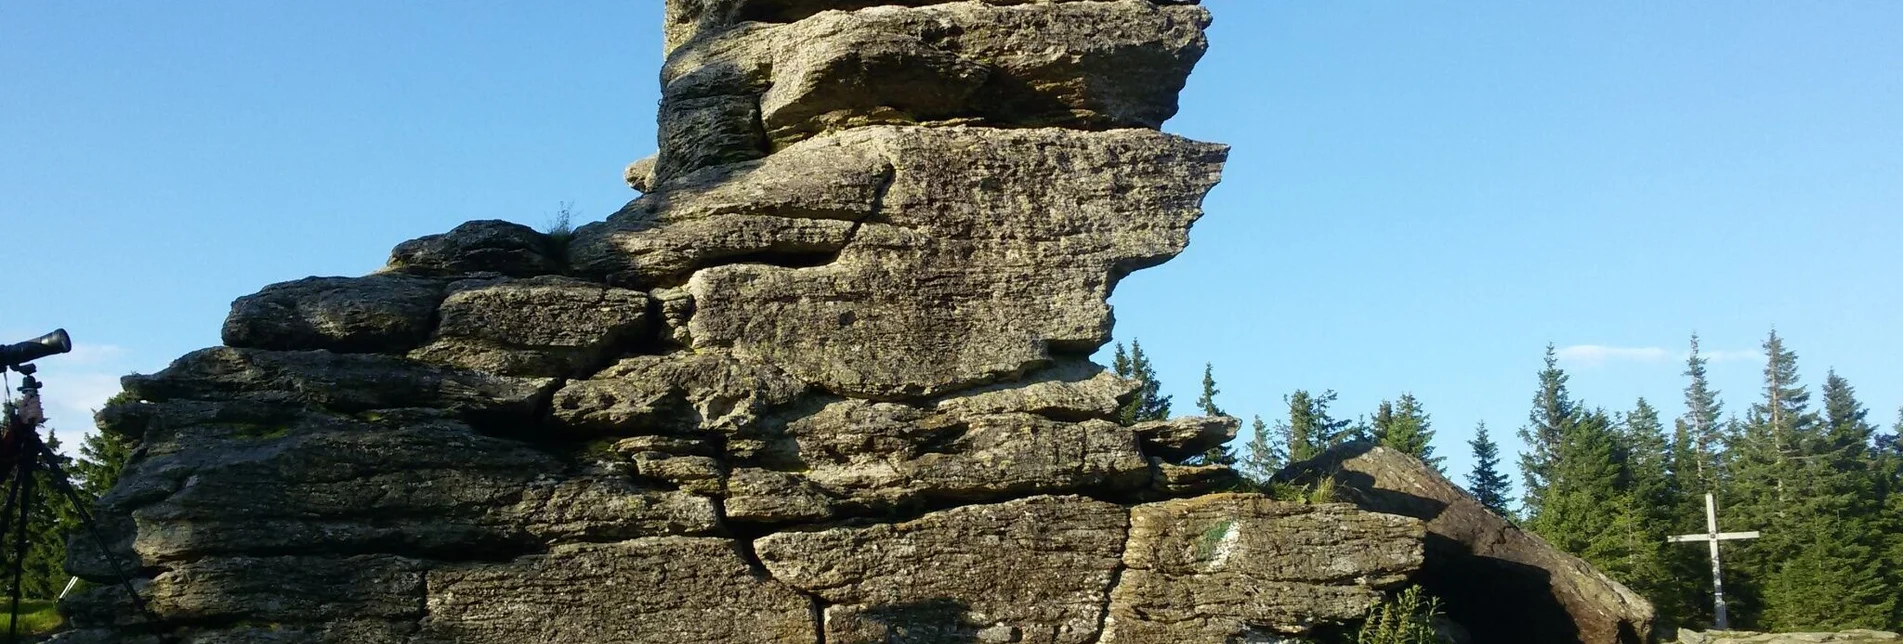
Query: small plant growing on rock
(1407, 618)
(561, 228)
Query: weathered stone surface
(663, 590)
(675, 393)
(1173, 480)
(345, 631)
(676, 307)
(1856, 636)
(1038, 568)
(1243, 567)
(697, 474)
(703, 131)
(640, 174)
(1072, 390)
(941, 288)
(646, 255)
(1092, 65)
(542, 326)
(345, 314)
(1180, 438)
(332, 485)
(1503, 584)
(347, 383)
(100, 636)
(686, 19)
(856, 458)
(943, 293)
(289, 589)
(478, 247)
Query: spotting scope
(19, 353)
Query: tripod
(25, 460)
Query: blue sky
(1422, 195)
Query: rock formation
(827, 380)
(1502, 583)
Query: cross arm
(1722, 536)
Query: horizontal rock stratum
(826, 381)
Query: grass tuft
(37, 616)
(561, 228)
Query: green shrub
(1407, 618)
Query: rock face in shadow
(1502, 583)
(825, 380)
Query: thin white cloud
(1593, 355)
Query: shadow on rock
(1503, 584)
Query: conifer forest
(1804, 463)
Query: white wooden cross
(1713, 536)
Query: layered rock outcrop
(1502, 583)
(826, 381)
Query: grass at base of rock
(37, 617)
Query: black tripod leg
(65, 487)
(25, 474)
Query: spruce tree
(1584, 506)
(1765, 482)
(1267, 453)
(1405, 427)
(1698, 436)
(1220, 454)
(1553, 413)
(1149, 403)
(1695, 465)
(1310, 429)
(1822, 577)
(1652, 566)
(102, 456)
(1485, 481)
(1207, 401)
(1890, 496)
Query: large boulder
(346, 383)
(1032, 571)
(880, 262)
(344, 314)
(854, 458)
(1502, 583)
(758, 86)
(222, 482)
(540, 326)
(1243, 567)
(485, 246)
(660, 590)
